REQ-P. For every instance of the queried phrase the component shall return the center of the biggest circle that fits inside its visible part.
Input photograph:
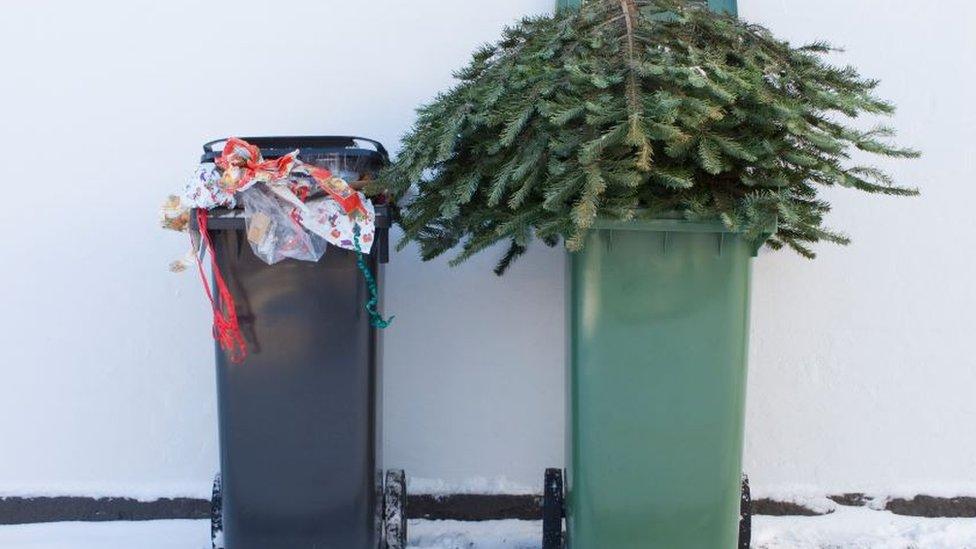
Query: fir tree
(632, 108)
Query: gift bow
(243, 166)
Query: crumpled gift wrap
(280, 220)
(203, 190)
(326, 218)
(278, 191)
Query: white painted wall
(862, 369)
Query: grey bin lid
(366, 154)
(310, 146)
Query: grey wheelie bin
(300, 416)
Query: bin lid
(274, 147)
(364, 151)
(230, 219)
(675, 222)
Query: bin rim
(277, 146)
(662, 224)
(675, 222)
(232, 219)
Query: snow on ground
(494, 534)
(477, 485)
(848, 527)
(157, 534)
(863, 528)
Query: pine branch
(630, 108)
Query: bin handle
(346, 140)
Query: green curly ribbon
(374, 317)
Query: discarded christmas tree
(630, 108)
(663, 143)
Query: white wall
(862, 368)
(862, 364)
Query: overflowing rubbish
(291, 210)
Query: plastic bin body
(300, 418)
(659, 320)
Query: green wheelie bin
(658, 330)
(658, 315)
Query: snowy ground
(848, 527)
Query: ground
(848, 527)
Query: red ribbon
(226, 329)
(241, 155)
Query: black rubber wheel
(745, 515)
(552, 510)
(216, 515)
(395, 509)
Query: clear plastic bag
(354, 169)
(274, 228)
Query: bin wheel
(552, 510)
(395, 509)
(217, 515)
(745, 515)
